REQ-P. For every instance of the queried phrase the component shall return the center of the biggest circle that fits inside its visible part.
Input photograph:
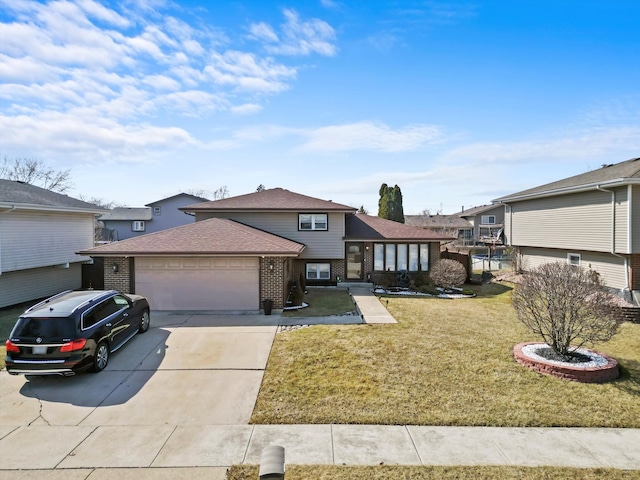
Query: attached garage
(199, 283)
(216, 265)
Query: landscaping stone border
(603, 373)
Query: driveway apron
(187, 370)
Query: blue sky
(458, 103)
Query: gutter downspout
(613, 235)
(13, 207)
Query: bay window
(395, 257)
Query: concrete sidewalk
(175, 446)
(368, 305)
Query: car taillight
(73, 346)
(11, 347)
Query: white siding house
(40, 233)
(591, 220)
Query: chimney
(462, 208)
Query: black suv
(73, 331)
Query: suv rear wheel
(101, 357)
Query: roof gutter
(619, 182)
(35, 206)
(613, 234)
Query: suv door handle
(108, 324)
(125, 314)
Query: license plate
(39, 350)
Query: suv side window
(121, 301)
(99, 313)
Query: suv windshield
(43, 327)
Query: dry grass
(447, 362)
(323, 302)
(331, 472)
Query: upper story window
(312, 221)
(138, 226)
(488, 219)
(157, 210)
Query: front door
(355, 261)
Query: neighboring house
(590, 220)
(125, 222)
(449, 225)
(246, 249)
(487, 223)
(40, 233)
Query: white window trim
(317, 271)
(380, 253)
(138, 226)
(314, 221)
(157, 210)
(571, 262)
(486, 220)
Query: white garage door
(199, 283)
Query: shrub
(566, 306)
(448, 273)
(296, 294)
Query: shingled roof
(436, 221)
(215, 236)
(274, 199)
(25, 196)
(366, 227)
(622, 173)
(128, 213)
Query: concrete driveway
(187, 370)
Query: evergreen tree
(390, 203)
(397, 214)
(383, 202)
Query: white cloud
(117, 66)
(246, 109)
(298, 37)
(74, 137)
(368, 136)
(263, 31)
(574, 146)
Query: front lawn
(323, 302)
(447, 362)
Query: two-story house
(40, 233)
(487, 223)
(121, 223)
(245, 249)
(449, 225)
(590, 220)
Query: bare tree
(218, 194)
(261, 188)
(567, 306)
(101, 202)
(35, 172)
(448, 273)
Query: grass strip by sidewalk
(334, 472)
(447, 362)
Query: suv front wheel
(101, 357)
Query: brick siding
(120, 280)
(604, 373)
(272, 279)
